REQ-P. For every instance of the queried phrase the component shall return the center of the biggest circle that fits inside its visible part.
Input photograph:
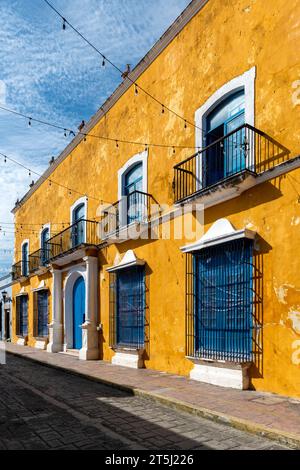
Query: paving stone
(56, 410)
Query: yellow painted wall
(222, 41)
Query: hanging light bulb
(50, 182)
(136, 91)
(65, 132)
(185, 124)
(29, 173)
(103, 61)
(84, 139)
(174, 150)
(162, 109)
(29, 122)
(146, 147)
(117, 144)
(64, 24)
(4, 159)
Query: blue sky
(52, 74)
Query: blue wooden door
(130, 307)
(78, 312)
(78, 226)
(225, 157)
(134, 182)
(44, 246)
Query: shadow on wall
(261, 248)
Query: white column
(55, 327)
(90, 347)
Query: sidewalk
(273, 416)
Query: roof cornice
(177, 26)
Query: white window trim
(138, 158)
(81, 200)
(245, 81)
(48, 226)
(22, 244)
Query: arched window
(132, 190)
(45, 235)
(226, 157)
(78, 225)
(25, 249)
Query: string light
(64, 24)
(29, 121)
(103, 61)
(119, 70)
(117, 144)
(162, 109)
(185, 124)
(136, 91)
(108, 139)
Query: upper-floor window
(45, 235)
(132, 190)
(78, 225)
(25, 254)
(226, 157)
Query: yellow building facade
(213, 293)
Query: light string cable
(50, 180)
(69, 131)
(136, 85)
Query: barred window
(127, 307)
(41, 312)
(222, 302)
(22, 315)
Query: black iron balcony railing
(20, 269)
(135, 207)
(246, 149)
(82, 232)
(38, 259)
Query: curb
(251, 427)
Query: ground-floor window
(222, 302)
(127, 307)
(41, 313)
(22, 315)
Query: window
(223, 301)
(78, 225)
(227, 156)
(41, 313)
(22, 315)
(45, 235)
(25, 259)
(132, 190)
(127, 307)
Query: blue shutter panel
(42, 307)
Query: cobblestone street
(43, 408)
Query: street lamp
(4, 295)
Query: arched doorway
(78, 311)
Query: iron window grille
(221, 303)
(41, 313)
(129, 325)
(22, 315)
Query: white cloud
(52, 74)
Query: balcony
(124, 215)
(229, 161)
(20, 270)
(37, 260)
(70, 244)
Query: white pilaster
(55, 327)
(90, 347)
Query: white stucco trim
(222, 376)
(41, 286)
(48, 226)
(74, 273)
(245, 81)
(128, 260)
(82, 200)
(128, 359)
(139, 157)
(28, 252)
(220, 232)
(22, 292)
